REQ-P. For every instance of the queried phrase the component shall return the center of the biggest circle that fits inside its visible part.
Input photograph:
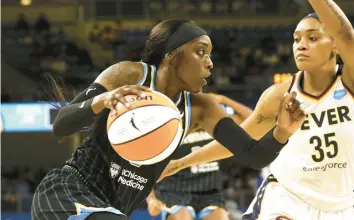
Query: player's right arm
(107, 91)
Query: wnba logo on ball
(137, 98)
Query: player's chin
(303, 66)
(197, 88)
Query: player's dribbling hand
(112, 98)
(154, 206)
(290, 117)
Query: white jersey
(317, 164)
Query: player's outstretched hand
(290, 116)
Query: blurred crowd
(40, 49)
(17, 187)
(240, 52)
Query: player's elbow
(60, 127)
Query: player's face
(196, 64)
(313, 46)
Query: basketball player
(313, 176)
(195, 193)
(96, 183)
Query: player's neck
(316, 82)
(166, 84)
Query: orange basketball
(148, 132)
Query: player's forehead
(309, 25)
(203, 40)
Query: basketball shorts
(199, 205)
(274, 202)
(63, 194)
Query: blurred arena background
(76, 39)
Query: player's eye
(201, 52)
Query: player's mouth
(301, 57)
(205, 77)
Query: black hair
(59, 95)
(315, 16)
(154, 50)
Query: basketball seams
(159, 105)
(116, 145)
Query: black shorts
(63, 194)
(198, 204)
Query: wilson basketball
(148, 132)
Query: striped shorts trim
(61, 192)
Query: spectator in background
(85, 58)
(94, 33)
(119, 34)
(107, 36)
(42, 24)
(284, 52)
(36, 47)
(60, 35)
(22, 186)
(22, 23)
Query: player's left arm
(340, 28)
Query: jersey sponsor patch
(127, 177)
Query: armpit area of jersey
(78, 115)
(247, 151)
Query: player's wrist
(281, 135)
(98, 103)
(179, 164)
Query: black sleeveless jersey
(115, 180)
(200, 178)
(196, 179)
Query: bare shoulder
(120, 74)
(277, 91)
(202, 100)
(270, 99)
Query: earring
(168, 56)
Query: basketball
(148, 132)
